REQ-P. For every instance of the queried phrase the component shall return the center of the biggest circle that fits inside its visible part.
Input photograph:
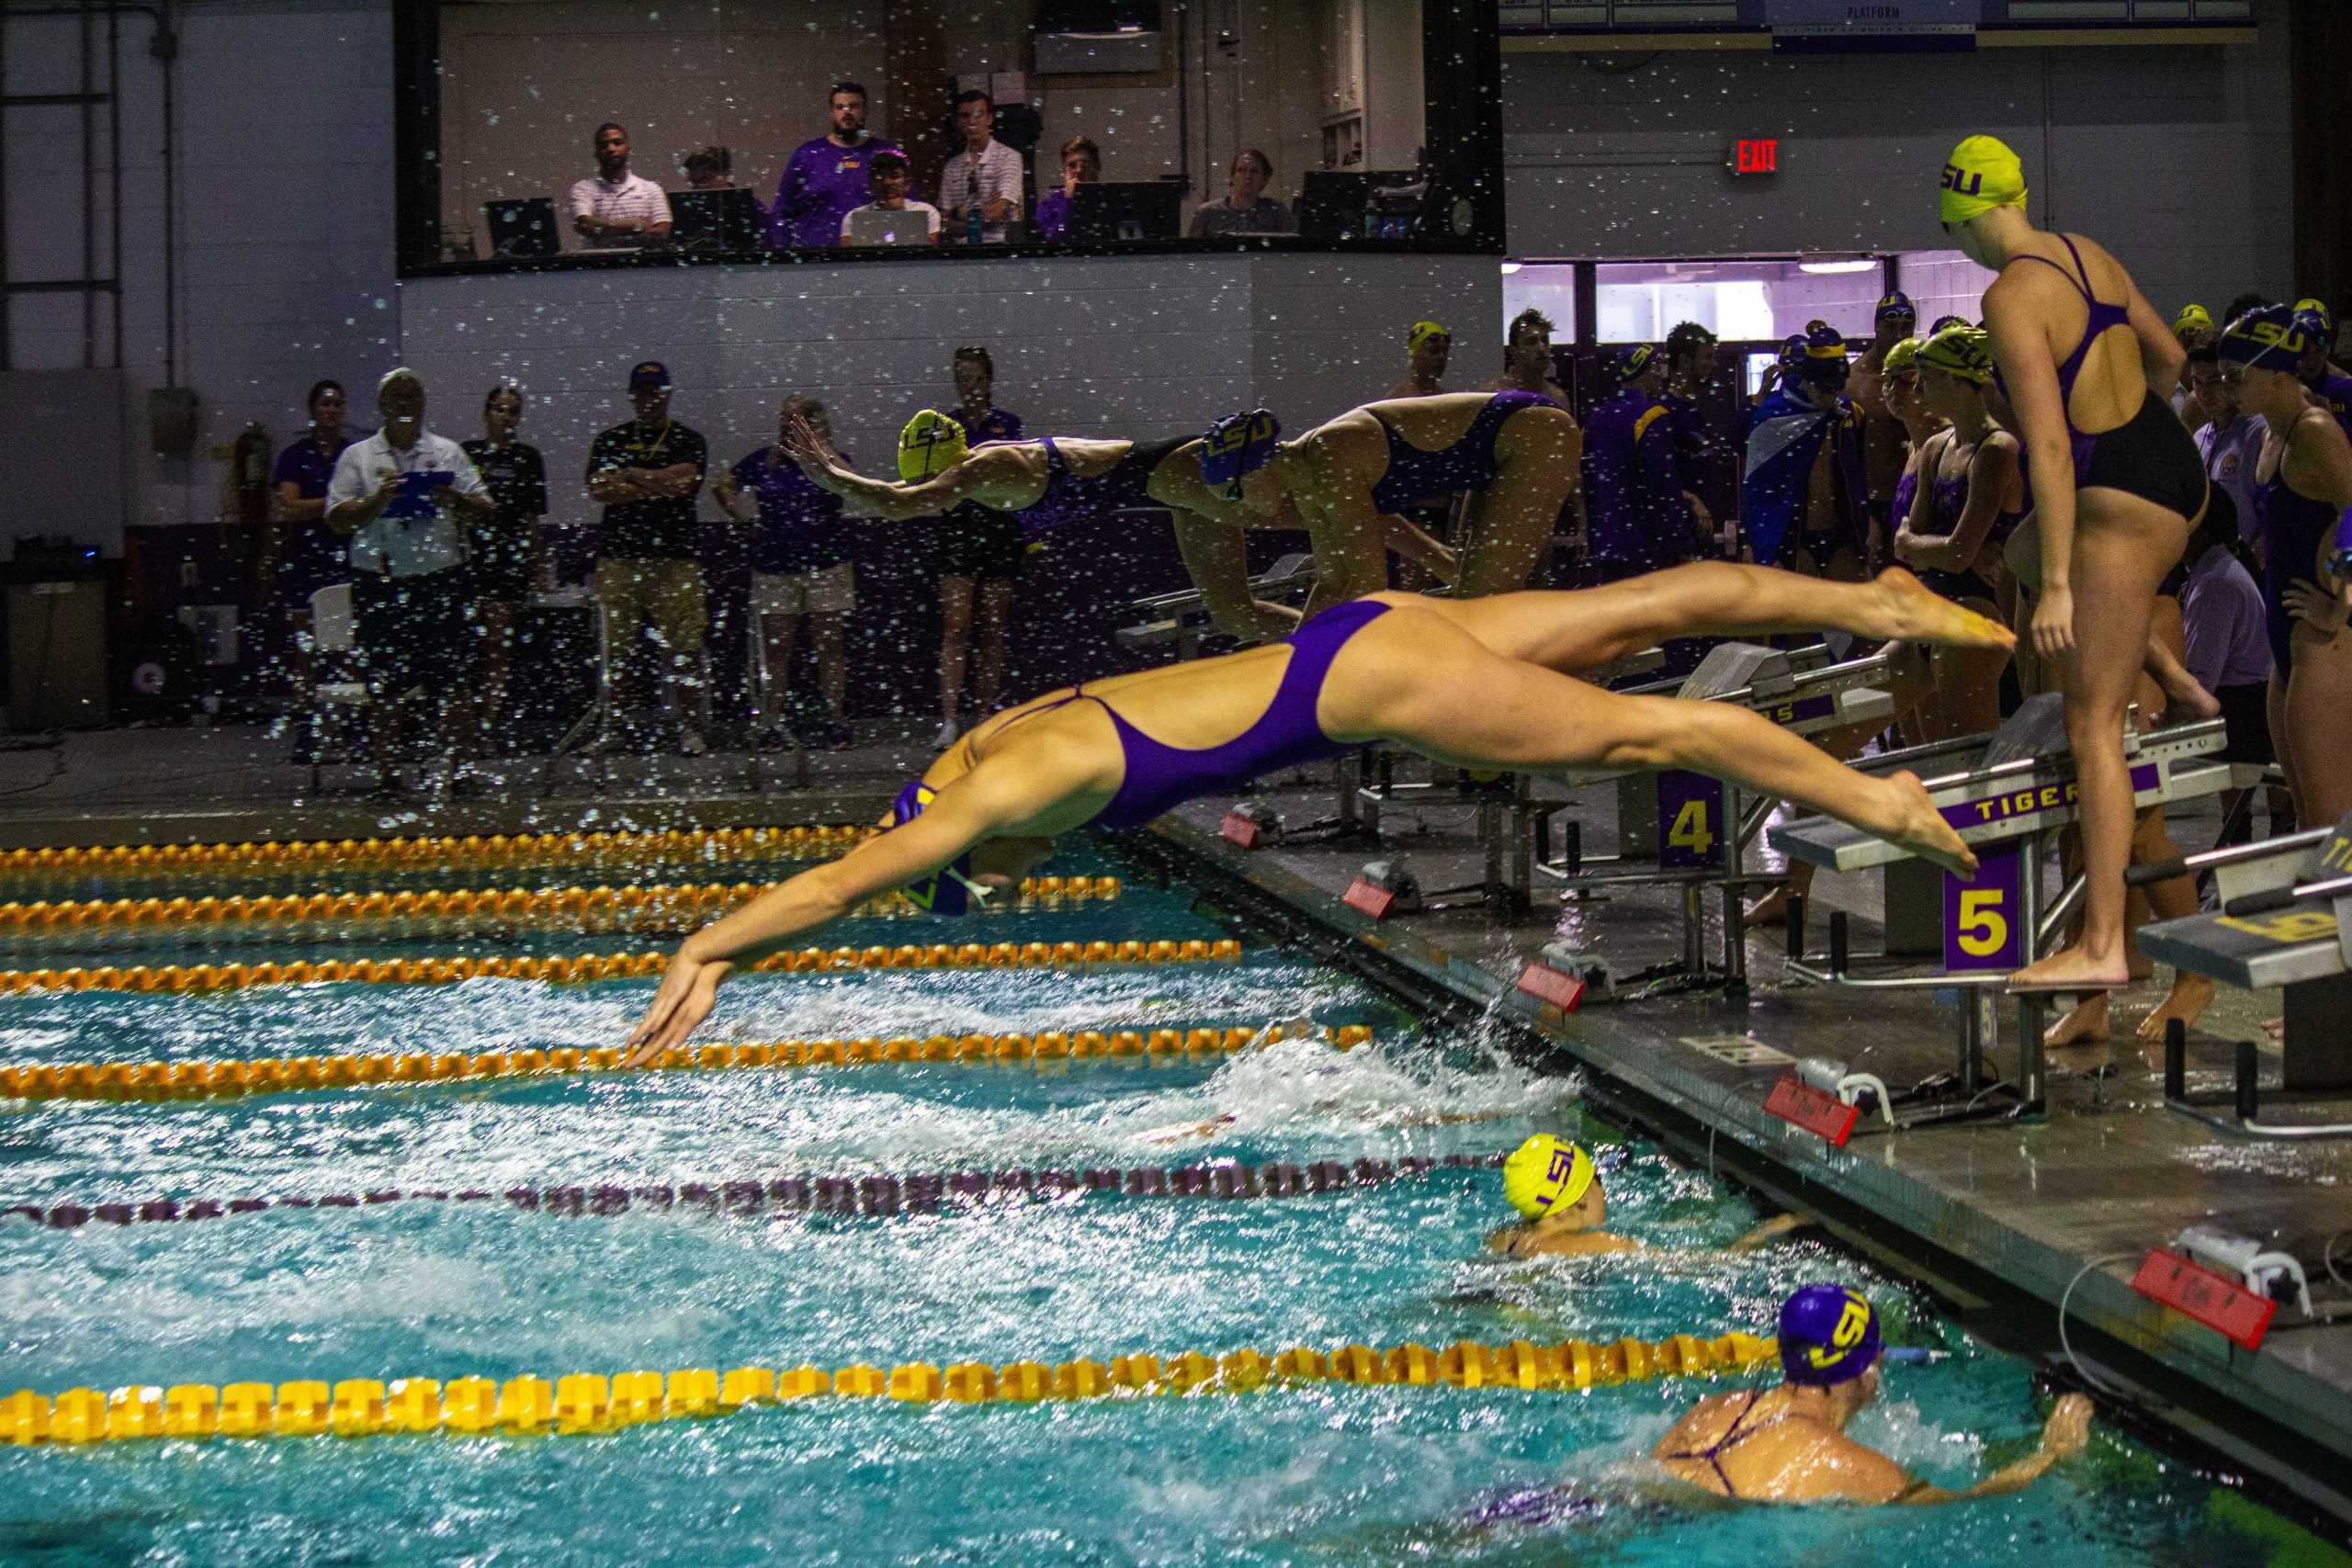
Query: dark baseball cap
(649, 373)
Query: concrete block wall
(2175, 156)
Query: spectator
(887, 180)
(1427, 345)
(2192, 329)
(2329, 388)
(826, 178)
(395, 495)
(800, 564)
(503, 554)
(1632, 484)
(646, 472)
(1081, 166)
(1245, 208)
(1689, 371)
(1527, 359)
(2229, 650)
(2230, 439)
(615, 209)
(301, 554)
(986, 177)
(709, 167)
(979, 549)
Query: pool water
(1299, 1475)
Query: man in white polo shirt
(398, 496)
(615, 209)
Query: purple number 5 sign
(1981, 924)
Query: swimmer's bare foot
(2073, 970)
(1912, 820)
(2085, 1024)
(2191, 994)
(1772, 910)
(1909, 610)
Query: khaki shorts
(832, 592)
(666, 593)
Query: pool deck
(1990, 1213)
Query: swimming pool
(1321, 1472)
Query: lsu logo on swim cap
(1546, 1175)
(1236, 446)
(1633, 361)
(1828, 1334)
(930, 443)
(1962, 350)
(949, 891)
(1896, 305)
(2274, 337)
(1981, 175)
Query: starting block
(1179, 620)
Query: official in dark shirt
(299, 553)
(503, 554)
(800, 568)
(646, 474)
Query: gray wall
(2175, 157)
(285, 161)
(1143, 346)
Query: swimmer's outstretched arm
(1845, 1470)
(888, 502)
(983, 801)
(1777, 1225)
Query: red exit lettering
(1756, 157)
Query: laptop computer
(523, 227)
(874, 226)
(1127, 210)
(714, 220)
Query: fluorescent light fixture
(1509, 267)
(1825, 266)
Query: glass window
(1738, 300)
(1548, 286)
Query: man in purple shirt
(1634, 512)
(2229, 440)
(826, 178)
(2229, 652)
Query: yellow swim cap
(1904, 355)
(1965, 352)
(1546, 1175)
(1981, 175)
(930, 443)
(2192, 318)
(1422, 331)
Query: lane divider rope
(446, 851)
(227, 1079)
(488, 911)
(199, 977)
(590, 1402)
(872, 1195)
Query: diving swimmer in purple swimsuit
(1480, 683)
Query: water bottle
(972, 224)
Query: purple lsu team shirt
(820, 185)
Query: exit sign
(1756, 157)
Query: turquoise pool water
(1322, 1473)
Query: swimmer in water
(1556, 1187)
(2084, 362)
(1788, 1444)
(1472, 683)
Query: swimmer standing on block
(2080, 356)
(1789, 1445)
(1557, 1189)
(1476, 684)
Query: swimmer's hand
(689, 990)
(2069, 1428)
(2305, 601)
(804, 447)
(2054, 621)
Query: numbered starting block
(2010, 807)
(2284, 920)
(1693, 831)
(1179, 621)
